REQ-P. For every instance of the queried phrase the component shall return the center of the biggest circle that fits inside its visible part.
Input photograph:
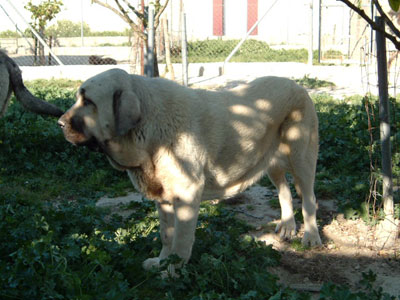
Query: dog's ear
(126, 107)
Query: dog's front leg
(167, 220)
(186, 214)
(186, 205)
(177, 226)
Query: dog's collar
(116, 165)
(92, 144)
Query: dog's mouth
(92, 144)
(101, 147)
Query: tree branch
(123, 16)
(106, 5)
(159, 13)
(387, 19)
(135, 11)
(134, 26)
(374, 26)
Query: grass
(56, 244)
(313, 83)
(296, 245)
(274, 203)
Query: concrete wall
(22, 45)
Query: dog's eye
(86, 102)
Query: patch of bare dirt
(348, 250)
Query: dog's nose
(61, 123)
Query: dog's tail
(23, 95)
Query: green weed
(296, 245)
(274, 203)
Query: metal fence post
(387, 194)
(311, 41)
(82, 42)
(319, 29)
(184, 52)
(149, 65)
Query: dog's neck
(121, 156)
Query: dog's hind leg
(300, 134)
(299, 143)
(304, 175)
(287, 225)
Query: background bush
(250, 51)
(349, 147)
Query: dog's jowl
(180, 146)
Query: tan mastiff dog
(180, 146)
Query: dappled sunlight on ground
(347, 251)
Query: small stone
(331, 246)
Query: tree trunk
(156, 71)
(387, 230)
(134, 69)
(168, 50)
(51, 46)
(42, 59)
(35, 57)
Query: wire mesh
(368, 64)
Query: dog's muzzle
(91, 143)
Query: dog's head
(106, 107)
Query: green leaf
(394, 4)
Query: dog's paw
(286, 229)
(169, 273)
(150, 263)
(311, 239)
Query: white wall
(198, 19)
(235, 18)
(288, 22)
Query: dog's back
(243, 132)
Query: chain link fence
(283, 33)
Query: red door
(218, 17)
(252, 15)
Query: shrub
(9, 34)
(348, 147)
(250, 51)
